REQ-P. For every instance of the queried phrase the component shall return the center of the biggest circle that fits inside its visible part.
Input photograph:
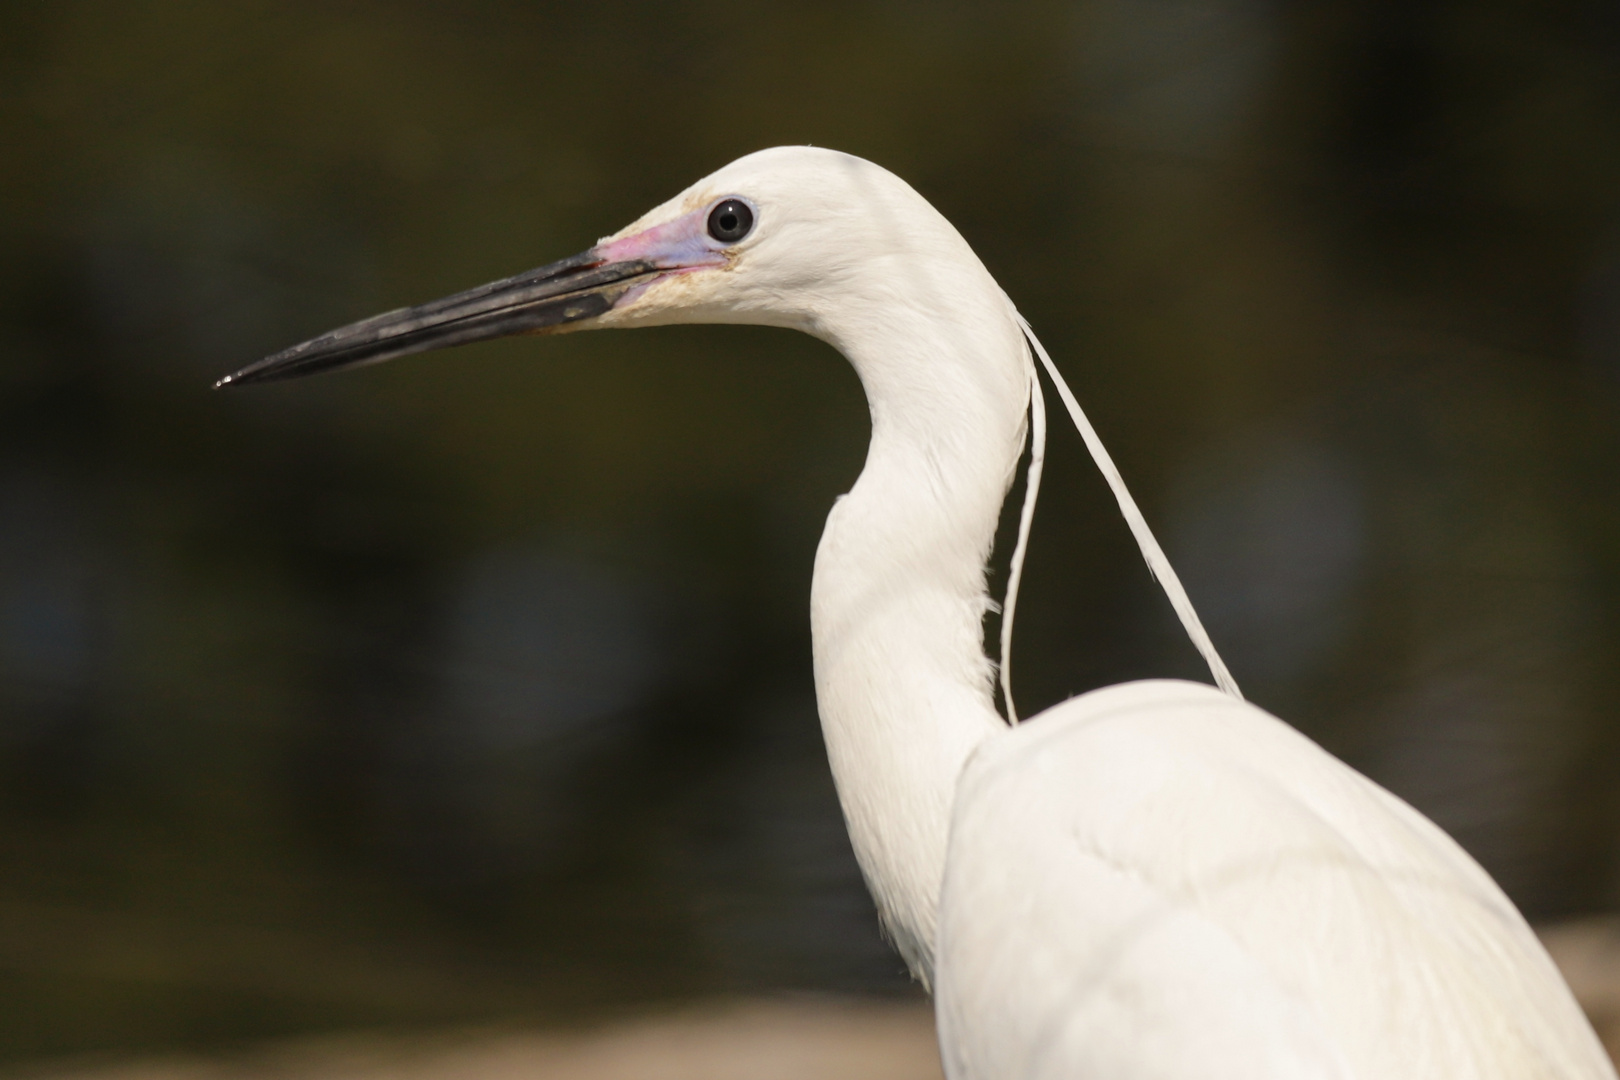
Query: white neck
(846, 251)
(898, 598)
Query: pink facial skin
(678, 247)
(682, 244)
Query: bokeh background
(477, 686)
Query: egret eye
(730, 221)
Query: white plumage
(1218, 897)
(1155, 880)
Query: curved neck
(899, 597)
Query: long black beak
(563, 292)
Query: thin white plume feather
(1032, 490)
(1158, 565)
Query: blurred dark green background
(476, 686)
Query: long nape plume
(1032, 491)
(1158, 565)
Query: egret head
(782, 237)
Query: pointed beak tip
(547, 298)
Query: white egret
(1150, 880)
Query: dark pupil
(730, 221)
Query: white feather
(1026, 518)
(1158, 564)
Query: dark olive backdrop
(477, 687)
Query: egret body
(1152, 880)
